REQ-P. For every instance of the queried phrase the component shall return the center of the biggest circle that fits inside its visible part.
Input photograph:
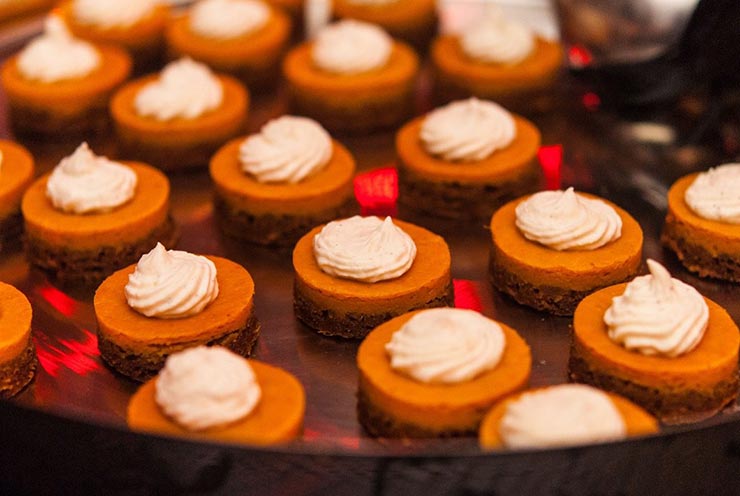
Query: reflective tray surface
(74, 411)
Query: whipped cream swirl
(467, 130)
(224, 19)
(446, 345)
(715, 194)
(287, 149)
(351, 47)
(563, 220)
(658, 315)
(494, 39)
(56, 55)
(204, 387)
(561, 415)
(185, 89)
(171, 284)
(364, 249)
(85, 183)
(108, 14)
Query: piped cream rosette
(446, 345)
(658, 315)
(171, 284)
(365, 249)
(206, 387)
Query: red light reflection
(60, 301)
(467, 295)
(81, 357)
(591, 101)
(377, 191)
(579, 56)
(551, 160)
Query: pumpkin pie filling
(17, 356)
(178, 143)
(280, 213)
(16, 174)
(553, 280)
(466, 189)
(687, 387)
(253, 57)
(337, 306)
(393, 404)
(707, 247)
(637, 421)
(137, 346)
(277, 418)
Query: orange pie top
(180, 132)
(576, 269)
(713, 360)
(501, 165)
(145, 32)
(535, 71)
(114, 68)
(134, 220)
(300, 70)
(15, 322)
(438, 405)
(255, 48)
(277, 418)
(16, 173)
(719, 237)
(427, 278)
(637, 421)
(328, 188)
(229, 312)
(399, 15)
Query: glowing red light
(467, 295)
(551, 160)
(579, 56)
(377, 191)
(60, 301)
(591, 101)
(81, 357)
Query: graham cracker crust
(670, 406)
(11, 231)
(697, 259)
(142, 365)
(378, 423)
(455, 200)
(355, 325)
(272, 229)
(90, 267)
(18, 372)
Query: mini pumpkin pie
(271, 188)
(59, 86)
(353, 274)
(562, 415)
(17, 356)
(658, 342)
(498, 60)
(135, 25)
(171, 300)
(211, 393)
(353, 77)
(244, 38)
(702, 225)
(436, 372)
(16, 175)
(177, 119)
(551, 249)
(413, 21)
(466, 159)
(91, 216)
